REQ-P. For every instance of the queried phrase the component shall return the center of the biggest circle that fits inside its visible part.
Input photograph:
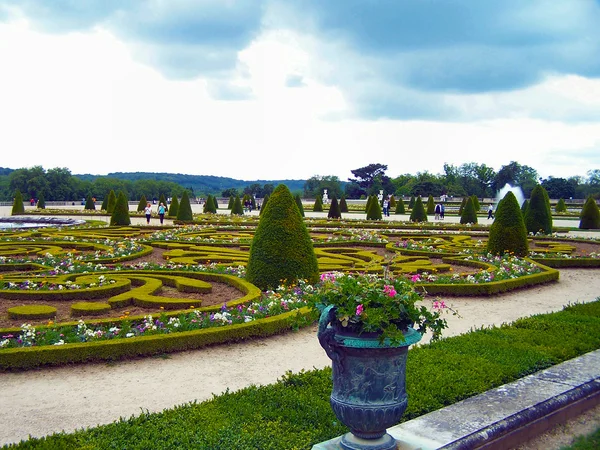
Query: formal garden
(92, 293)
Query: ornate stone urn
(369, 382)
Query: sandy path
(43, 401)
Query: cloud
(293, 80)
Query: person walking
(148, 212)
(161, 212)
(491, 211)
(442, 211)
(438, 211)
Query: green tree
(231, 202)
(18, 207)
(142, 204)
(41, 203)
(334, 209)
(282, 250)
(184, 208)
(237, 209)
(368, 204)
(508, 233)
(111, 202)
(476, 204)
(538, 217)
(463, 203)
(400, 209)
(120, 214)
(89, 203)
(265, 201)
(525, 207)
(590, 215)
(209, 206)
(392, 202)
(418, 212)
(561, 206)
(299, 203)
(469, 215)
(411, 202)
(316, 185)
(318, 207)
(343, 205)
(174, 207)
(430, 205)
(374, 212)
(370, 179)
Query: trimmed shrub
(525, 207)
(343, 205)
(120, 215)
(174, 207)
(216, 203)
(18, 207)
(508, 233)
(561, 206)
(103, 206)
(538, 217)
(374, 212)
(400, 209)
(237, 208)
(318, 207)
(265, 201)
(334, 209)
(89, 203)
(89, 309)
(468, 215)
(430, 205)
(368, 205)
(392, 202)
(184, 209)
(231, 202)
(418, 212)
(281, 249)
(209, 206)
(41, 203)
(301, 207)
(462, 206)
(31, 312)
(142, 204)
(590, 215)
(111, 202)
(411, 202)
(476, 204)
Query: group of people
(161, 212)
(440, 211)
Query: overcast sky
(275, 89)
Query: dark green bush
(18, 207)
(111, 202)
(430, 205)
(418, 212)
(525, 207)
(374, 211)
(184, 209)
(318, 206)
(590, 215)
(231, 202)
(508, 233)
(392, 202)
(89, 203)
(343, 205)
(142, 204)
(209, 206)
(334, 209)
(400, 209)
(468, 214)
(237, 208)
(411, 202)
(174, 207)
(120, 214)
(462, 206)
(476, 204)
(281, 248)
(299, 204)
(538, 217)
(369, 201)
(265, 201)
(561, 206)
(41, 203)
(31, 312)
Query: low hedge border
(89, 308)
(572, 263)
(30, 357)
(31, 312)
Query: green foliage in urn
(430, 205)
(418, 212)
(318, 207)
(400, 208)
(334, 209)
(89, 203)
(538, 217)
(120, 214)
(374, 211)
(142, 204)
(184, 209)
(237, 209)
(590, 215)
(174, 207)
(299, 204)
(468, 215)
(343, 205)
(561, 206)
(18, 207)
(371, 304)
(281, 250)
(508, 233)
(111, 202)
(41, 203)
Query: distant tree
(590, 215)
(476, 204)
(89, 203)
(184, 208)
(538, 217)
(41, 203)
(516, 175)
(237, 209)
(508, 233)
(400, 209)
(392, 201)
(418, 212)
(463, 203)
(174, 207)
(343, 205)
(318, 206)
(374, 212)
(209, 206)
(430, 205)
(411, 202)
(561, 206)
(231, 202)
(334, 209)
(120, 214)
(468, 214)
(142, 204)
(18, 207)
(299, 203)
(316, 185)
(370, 179)
(111, 202)
(231, 192)
(559, 187)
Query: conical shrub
(216, 203)
(508, 233)
(281, 251)
(184, 208)
(334, 209)
(343, 205)
(89, 203)
(265, 201)
(237, 209)
(411, 202)
(318, 207)
(400, 208)
(299, 204)
(418, 212)
(392, 202)
(41, 203)
(18, 207)
(430, 205)
(231, 202)
(561, 206)
(209, 206)
(374, 212)
(368, 205)
(174, 207)
(104, 204)
(120, 214)
(111, 202)
(590, 215)
(142, 204)
(468, 215)
(462, 206)
(476, 203)
(538, 217)
(524, 207)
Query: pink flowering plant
(372, 304)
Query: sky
(290, 89)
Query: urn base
(352, 442)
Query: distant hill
(199, 183)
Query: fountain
(37, 221)
(518, 193)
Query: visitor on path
(442, 211)
(490, 212)
(386, 207)
(161, 212)
(438, 211)
(148, 212)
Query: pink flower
(359, 310)
(415, 278)
(439, 305)
(389, 290)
